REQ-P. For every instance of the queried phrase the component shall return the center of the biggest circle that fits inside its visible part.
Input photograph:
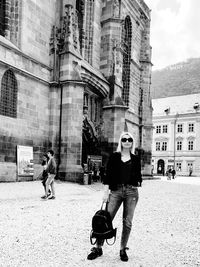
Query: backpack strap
(106, 205)
(114, 237)
(93, 240)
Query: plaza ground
(55, 233)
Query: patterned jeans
(128, 195)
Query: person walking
(45, 174)
(190, 171)
(169, 173)
(51, 170)
(121, 182)
(102, 173)
(173, 173)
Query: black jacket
(112, 177)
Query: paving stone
(55, 233)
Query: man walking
(173, 173)
(51, 170)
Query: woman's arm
(106, 193)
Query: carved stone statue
(116, 8)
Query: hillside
(179, 79)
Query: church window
(89, 30)
(80, 15)
(8, 95)
(85, 100)
(85, 14)
(91, 108)
(10, 14)
(2, 17)
(126, 44)
(96, 110)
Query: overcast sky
(175, 31)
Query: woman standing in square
(123, 177)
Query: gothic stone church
(73, 75)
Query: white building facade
(176, 135)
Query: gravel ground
(35, 232)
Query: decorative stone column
(146, 126)
(72, 92)
(71, 131)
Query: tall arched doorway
(161, 167)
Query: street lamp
(175, 121)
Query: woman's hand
(106, 193)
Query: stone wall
(38, 18)
(50, 101)
(31, 127)
(138, 116)
(96, 35)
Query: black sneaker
(52, 197)
(95, 252)
(44, 197)
(123, 255)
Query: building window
(85, 100)
(85, 15)
(178, 166)
(158, 129)
(80, 15)
(165, 129)
(179, 145)
(164, 146)
(8, 95)
(179, 128)
(2, 17)
(10, 15)
(157, 146)
(89, 30)
(91, 109)
(191, 127)
(126, 46)
(96, 110)
(190, 145)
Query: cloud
(174, 31)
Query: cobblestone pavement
(182, 179)
(55, 233)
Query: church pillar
(71, 131)
(72, 92)
(146, 126)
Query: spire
(125, 127)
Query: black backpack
(102, 228)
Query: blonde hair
(119, 147)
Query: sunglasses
(124, 140)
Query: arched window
(80, 14)
(126, 42)
(8, 95)
(85, 14)
(2, 17)
(89, 30)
